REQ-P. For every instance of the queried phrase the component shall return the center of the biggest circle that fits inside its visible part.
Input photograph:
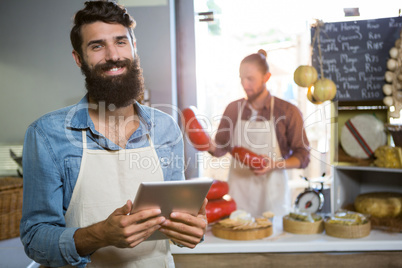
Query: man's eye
(96, 47)
(121, 42)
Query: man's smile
(115, 71)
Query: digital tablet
(183, 196)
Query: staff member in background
(267, 126)
(80, 169)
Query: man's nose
(112, 54)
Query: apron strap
(151, 144)
(84, 139)
(240, 113)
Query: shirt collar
(267, 101)
(78, 116)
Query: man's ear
(134, 42)
(267, 76)
(135, 47)
(77, 58)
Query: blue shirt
(51, 162)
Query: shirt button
(165, 161)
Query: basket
(348, 231)
(302, 227)
(10, 207)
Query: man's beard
(120, 90)
(256, 95)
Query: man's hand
(291, 162)
(186, 229)
(119, 229)
(269, 164)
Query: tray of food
(303, 223)
(241, 226)
(348, 224)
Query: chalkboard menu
(355, 54)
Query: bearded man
(80, 169)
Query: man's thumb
(126, 209)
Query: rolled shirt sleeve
(43, 233)
(292, 136)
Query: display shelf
(369, 169)
(350, 181)
(281, 241)
(347, 182)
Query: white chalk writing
(394, 24)
(375, 45)
(343, 38)
(350, 27)
(346, 46)
(374, 35)
(370, 25)
(369, 94)
(371, 58)
(371, 69)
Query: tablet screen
(184, 196)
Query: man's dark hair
(105, 11)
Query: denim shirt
(52, 155)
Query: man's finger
(203, 207)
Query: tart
(241, 226)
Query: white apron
(252, 193)
(107, 179)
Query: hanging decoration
(393, 78)
(319, 90)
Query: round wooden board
(253, 234)
(362, 135)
